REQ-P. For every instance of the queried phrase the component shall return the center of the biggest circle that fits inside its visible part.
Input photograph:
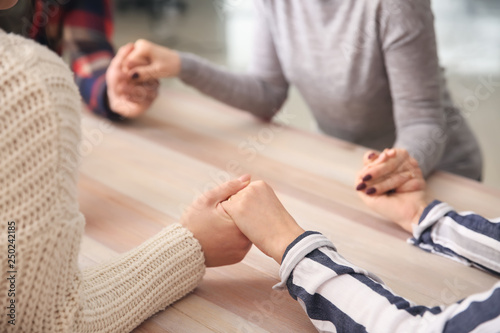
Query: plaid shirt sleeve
(88, 27)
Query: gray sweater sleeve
(409, 46)
(262, 91)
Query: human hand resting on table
(392, 170)
(262, 218)
(151, 61)
(221, 240)
(401, 205)
(128, 97)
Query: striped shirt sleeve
(465, 237)
(341, 297)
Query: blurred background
(468, 35)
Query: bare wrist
(416, 218)
(283, 241)
(175, 61)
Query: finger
(382, 169)
(384, 156)
(391, 152)
(415, 184)
(393, 181)
(141, 101)
(370, 161)
(226, 190)
(365, 175)
(145, 73)
(370, 156)
(144, 101)
(127, 108)
(139, 89)
(120, 56)
(140, 55)
(135, 60)
(138, 64)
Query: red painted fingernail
(372, 155)
(360, 187)
(371, 190)
(135, 76)
(367, 178)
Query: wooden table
(138, 177)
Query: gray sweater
(368, 70)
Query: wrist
(282, 240)
(169, 62)
(176, 63)
(416, 218)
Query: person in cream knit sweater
(39, 135)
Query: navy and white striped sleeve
(465, 237)
(340, 297)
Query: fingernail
(135, 76)
(360, 187)
(372, 155)
(371, 190)
(367, 178)
(391, 191)
(245, 178)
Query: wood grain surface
(138, 176)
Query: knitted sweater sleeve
(39, 135)
(119, 295)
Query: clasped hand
(132, 77)
(227, 220)
(392, 185)
(126, 96)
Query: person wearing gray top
(368, 70)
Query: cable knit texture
(39, 135)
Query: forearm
(339, 296)
(121, 294)
(243, 91)
(410, 54)
(465, 237)
(88, 27)
(424, 141)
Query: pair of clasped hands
(132, 76)
(228, 219)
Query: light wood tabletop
(138, 177)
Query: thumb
(139, 55)
(122, 54)
(132, 63)
(139, 66)
(141, 71)
(227, 189)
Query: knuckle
(258, 185)
(389, 184)
(142, 43)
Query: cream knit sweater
(39, 134)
